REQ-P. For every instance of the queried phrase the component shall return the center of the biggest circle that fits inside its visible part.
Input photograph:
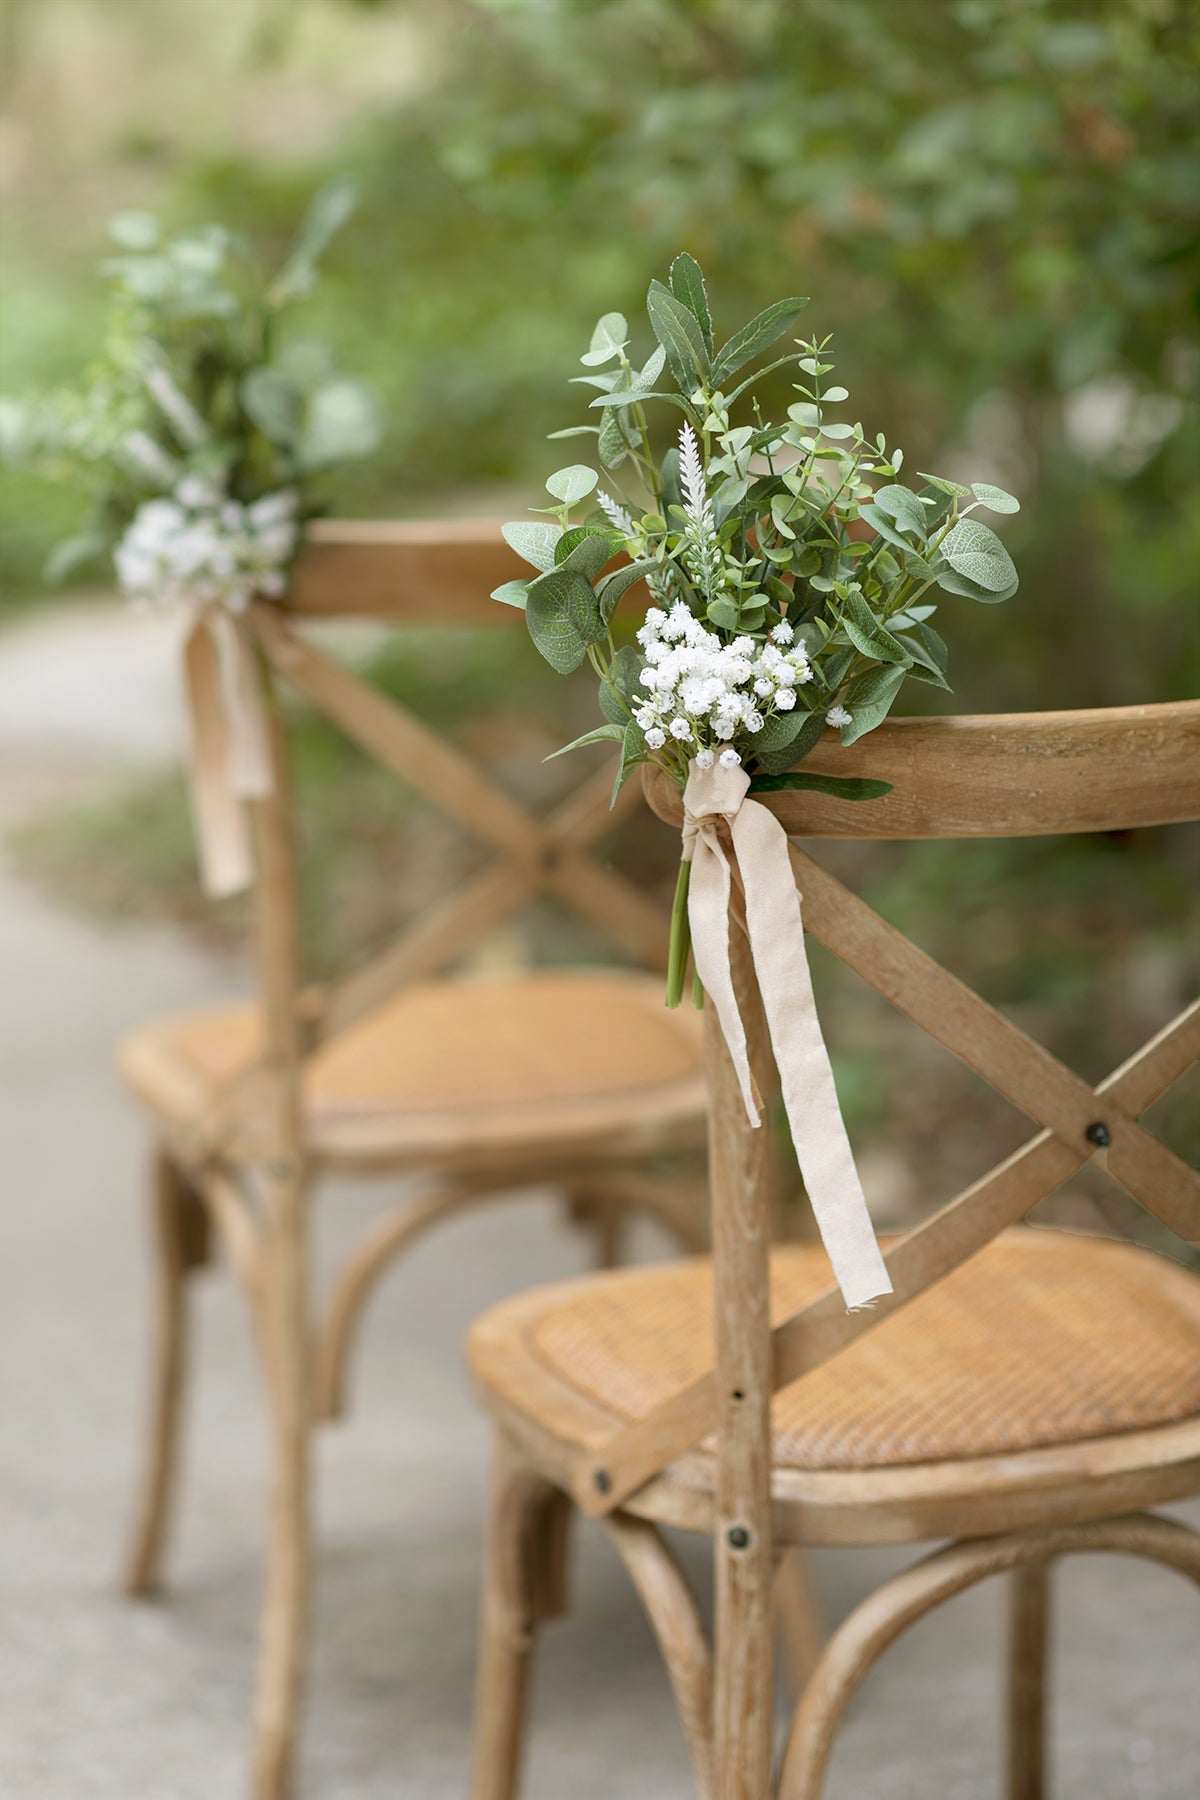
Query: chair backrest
(988, 776)
(406, 574)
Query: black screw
(738, 1394)
(738, 1537)
(602, 1480)
(1098, 1134)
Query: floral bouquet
(200, 439)
(794, 579)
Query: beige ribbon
(776, 931)
(230, 747)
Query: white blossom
(656, 738)
(680, 728)
(837, 715)
(704, 759)
(199, 548)
(730, 759)
(614, 512)
(782, 633)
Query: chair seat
(1034, 1352)
(508, 1063)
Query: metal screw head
(602, 1481)
(1098, 1134)
(737, 1537)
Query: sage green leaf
(611, 705)
(512, 593)
(781, 730)
(572, 483)
(633, 751)
(275, 404)
(933, 642)
(879, 521)
(687, 284)
(652, 368)
(134, 230)
(841, 787)
(868, 634)
(570, 540)
(342, 421)
(678, 331)
(588, 555)
(563, 618)
(619, 582)
(953, 583)
(974, 551)
(534, 540)
(608, 340)
(786, 755)
(625, 673)
(924, 667)
(615, 441)
(724, 613)
(762, 330)
(902, 505)
(954, 488)
(994, 498)
(869, 700)
(833, 670)
(570, 431)
(603, 734)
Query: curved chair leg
(1029, 1611)
(800, 1624)
(180, 1243)
(524, 1585)
(284, 1618)
(672, 1610)
(859, 1643)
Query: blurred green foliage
(992, 202)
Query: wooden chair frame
(244, 1163)
(990, 776)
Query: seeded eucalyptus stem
(681, 936)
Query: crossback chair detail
(615, 1392)
(388, 1069)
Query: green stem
(681, 937)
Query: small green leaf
(973, 550)
(512, 593)
(687, 285)
(678, 331)
(572, 484)
(343, 421)
(756, 336)
(867, 634)
(603, 734)
(954, 488)
(563, 618)
(615, 585)
(841, 787)
(994, 498)
(584, 549)
(275, 404)
(534, 540)
(869, 700)
(785, 755)
(608, 340)
(570, 431)
(134, 230)
(633, 751)
(902, 505)
(616, 440)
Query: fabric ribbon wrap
(776, 932)
(230, 747)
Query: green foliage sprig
(201, 430)
(794, 576)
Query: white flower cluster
(199, 548)
(701, 693)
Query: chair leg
(1029, 1609)
(284, 1620)
(524, 1585)
(800, 1624)
(180, 1244)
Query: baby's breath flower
(782, 633)
(656, 738)
(680, 728)
(837, 716)
(705, 759)
(730, 759)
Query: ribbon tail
(249, 745)
(226, 866)
(708, 916)
(776, 928)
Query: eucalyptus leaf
(973, 550)
(619, 582)
(572, 484)
(868, 634)
(784, 755)
(342, 422)
(687, 285)
(512, 593)
(563, 618)
(633, 751)
(994, 498)
(840, 787)
(678, 331)
(275, 404)
(902, 505)
(533, 539)
(954, 488)
(608, 340)
(869, 700)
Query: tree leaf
(678, 331)
(869, 700)
(608, 340)
(573, 483)
(687, 285)
(588, 554)
(952, 583)
(867, 633)
(974, 551)
(603, 734)
(902, 505)
(512, 593)
(954, 488)
(534, 540)
(563, 618)
(633, 751)
(785, 754)
(842, 787)
(756, 336)
(615, 585)
(615, 440)
(994, 498)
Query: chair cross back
(998, 776)
(411, 574)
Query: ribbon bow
(776, 931)
(230, 747)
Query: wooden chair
(1025, 1393)
(480, 1088)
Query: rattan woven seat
(479, 1060)
(1041, 1342)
